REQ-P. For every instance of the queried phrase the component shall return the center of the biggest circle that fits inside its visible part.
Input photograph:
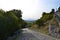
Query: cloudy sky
(32, 9)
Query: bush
(9, 23)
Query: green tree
(16, 12)
(52, 11)
(10, 21)
(59, 9)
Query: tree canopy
(10, 21)
(59, 9)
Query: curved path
(33, 35)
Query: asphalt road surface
(28, 34)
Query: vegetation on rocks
(43, 22)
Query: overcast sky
(32, 9)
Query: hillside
(46, 20)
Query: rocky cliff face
(54, 25)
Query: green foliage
(45, 17)
(59, 9)
(16, 12)
(10, 22)
(52, 11)
(22, 23)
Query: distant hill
(30, 21)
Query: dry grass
(43, 30)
